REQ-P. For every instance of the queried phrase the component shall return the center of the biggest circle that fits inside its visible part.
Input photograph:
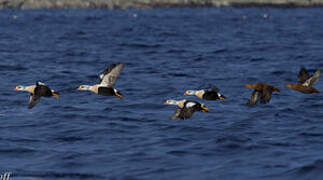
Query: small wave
(59, 175)
(93, 18)
(139, 45)
(17, 150)
(256, 59)
(311, 134)
(219, 51)
(168, 34)
(177, 153)
(176, 51)
(12, 68)
(77, 54)
(278, 73)
(69, 139)
(178, 74)
(312, 171)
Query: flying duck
(261, 92)
(305, 82)
(212, 94)
(106, 81)
(186, 108)
(37, 91)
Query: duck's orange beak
(16, 88)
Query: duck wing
(177, 114)
(188, 112)
(33, 100)
(105, 72)
(266, 95)
(183, 113)
(303, 75)
(109, 76)
(215, 89)
(255, 97)
(310, 82)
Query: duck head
(190, 92)
(84, 88)
(289, 85)
(20, 88)
(171, 102)
(249, 86)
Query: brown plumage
(305, 82)
(262, 92)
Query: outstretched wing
(182, 113)
(110, 75)
(266, 95)
(310, 82)
(33, 100)
(187, 112)
(177, 114)
(215, 89)
(255, 97)
(105, 72)
(302, 75)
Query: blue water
(166, 51)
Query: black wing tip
(303, 69)
(215, 89)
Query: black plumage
(188, 110)
(107, 79)
(108, 91)
(41, 90)
(213, 94)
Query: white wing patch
(190, 104)
(101, 76)
(313, 79)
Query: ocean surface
(166, 51)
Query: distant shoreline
(144, 4)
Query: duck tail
(56, 94)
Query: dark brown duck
(305, 82)
(262, 92)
